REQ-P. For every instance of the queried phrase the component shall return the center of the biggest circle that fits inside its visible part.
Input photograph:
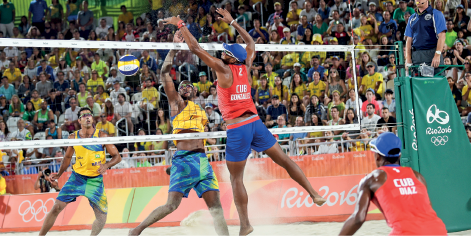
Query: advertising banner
(268, 200)
(444, 151)
(349, 163)
(30, 210)
(119, 206)
(4, 208)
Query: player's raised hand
(172, 20)
(102, 169)
(178, 37)
(226, 16)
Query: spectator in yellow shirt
(93, 83)
(126, 17)
(288, 60)
(466, 93)
(203, 85)
(150, 97)
(13, 74)
(373, 80)
(106, 126)
(53, 58)
(176, 8)
(221, 27)
(3, 186)
(100, 66)
(36, 100)
(270, 74)
(317, 87)
(293, 16)
(101, 95)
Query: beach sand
(376, 227)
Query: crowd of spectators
(43, 88)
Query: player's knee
(171, 207)
(216, 210)
(57, 208)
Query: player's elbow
(118, 158)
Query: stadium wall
(271, 201)
(350, 163)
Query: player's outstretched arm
(113, 151)
(355, 221)
(167, 81)
(194, 47)
(65, 161)
(226, 17)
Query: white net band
(147, 138)
(6, 42)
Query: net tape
(4, 42)
(167, 137)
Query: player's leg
(52, 216)
(236, 170)
(280, 158)
(208, 189)
(214, 206)
(173, 201)
(264, 141)
(237, 150)
(73, 188)
(100, 221)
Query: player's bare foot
(319, 200)
(245, 230)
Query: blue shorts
(245, 135)
(89, 187)
(191, 170)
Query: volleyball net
(60, 75)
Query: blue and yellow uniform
(191, 170)
(85, 179)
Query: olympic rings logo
(31, 212)
(439, 140)
(437, 117)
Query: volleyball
(128, 65)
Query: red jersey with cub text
(236, 100)
(405, 203)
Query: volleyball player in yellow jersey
(190, 167)
(86, 179)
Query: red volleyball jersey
(236, 100)
(404, 201)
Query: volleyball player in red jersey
(399, 192)
(245, 130)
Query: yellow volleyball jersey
(88, 157)
(192, 117)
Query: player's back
(405, 203)
(192, 117)
(236, 100)
(88, 157)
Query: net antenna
(75, 44)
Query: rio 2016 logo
(441, 117)
(332, 198)
(434, 114)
